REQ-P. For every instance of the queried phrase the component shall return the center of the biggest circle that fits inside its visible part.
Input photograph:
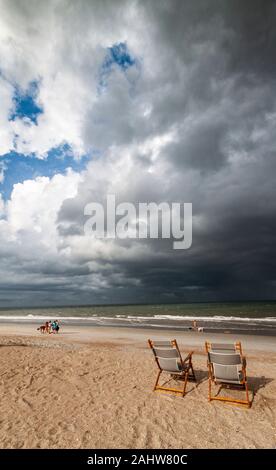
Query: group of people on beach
(50, 327)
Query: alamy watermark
(143, 220)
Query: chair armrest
(244, 361)
(188, 357)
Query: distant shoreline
(140, 304)
(87, 324)
(237, 318)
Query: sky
(151, 101)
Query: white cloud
(34, 206)
(6, 133)
(62, 44)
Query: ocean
(235, 317)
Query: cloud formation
(172, 101)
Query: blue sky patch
(117, 55)
(19, 168)
(25, 105)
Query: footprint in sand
(25, 403)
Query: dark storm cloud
(229, 94)
(202, 148)
(244, 31)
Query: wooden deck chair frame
(185, 373)
(242, 385)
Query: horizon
(229, 302)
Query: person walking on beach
(197, 328)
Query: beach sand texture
(58, 392)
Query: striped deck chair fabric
(169, 360)
(227, 367)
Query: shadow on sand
(257, 383)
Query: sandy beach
(92, 388)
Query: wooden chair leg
(246, 393)
(157, 380)
(210, 389)
(185, 383)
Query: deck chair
(168, 359)
(227, 367)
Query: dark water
(251, 318)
